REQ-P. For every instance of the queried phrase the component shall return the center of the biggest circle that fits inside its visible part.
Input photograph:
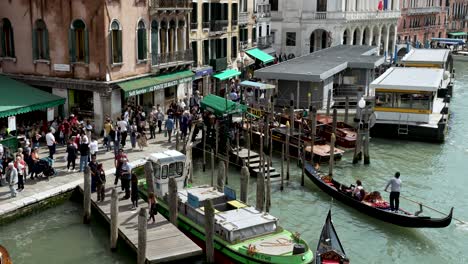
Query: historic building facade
(303, 26)
(88, 51)
(457, 13)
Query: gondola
(329, 248)
(376, 210)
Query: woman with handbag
(153, 206)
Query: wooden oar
(433, 209)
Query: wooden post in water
(87, 195)
(204, 146)
(212, 168)
(142, 235)
(367, 136)
(346, 110)
(332, 154)
(228, 147)
(335, 119)
(173, 201)
(221, 176)
(217, 137)
(299, 144)
(177, 141)
(313, 128)
(262, 158)
(302, 153)
(282, 167)
(249, 142)
(149, 176)
(358, 148)
(268, 189)
(244, 184)
(209, 231)
(114, 219)
(188, 163)
(260, 202)
(289, 135)
(238, 131)
(329, 102)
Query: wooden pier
(254, 164)
(164, 241)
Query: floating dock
(164, 241)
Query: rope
(433, 209)
(280, 242)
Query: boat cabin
(256, 94)
(406, 97)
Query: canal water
(435, 174)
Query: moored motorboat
(378, 208)
(329, 248)
(346, 135)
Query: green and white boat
(242, 233)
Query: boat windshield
(157, 171)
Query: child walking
(153, 206)
(134, 195)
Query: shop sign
(256, 112)
(207, 71)
(159, 86)
(12, 123)
(50, 114)
(62, 67)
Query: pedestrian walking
(12, 178)
(71, 155)
(169, 127)
(94, 172)
(20, 166)
(160, 118)
(118, 162)
(395, 184)
(135, 194)
(152, 121)
(93, 147)
(123, 130)
(51, 143)
(100, 183)
(84, 151)
(133, 134)
(107, 134)
(116, 136)
(153, 206)
(125, 177)
(142, 141)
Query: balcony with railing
(243, 18)
(158, 5)
(264, 42)
(219, 64)
(206, 25)
(424, 10)
(218, 25)
(352, 15)
(171, 59)
(193, 26)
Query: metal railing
(265, 42)
(218, 25)
(171, 3)
(424, 10)
(264, 10)
(205, 25)
(352, 15)
(173, 57)
(193, 26)
(243, 18)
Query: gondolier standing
(395, 184)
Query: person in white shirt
(395, 184)
(123, 130)
(93, 147)
(357, 190)
(50, 140)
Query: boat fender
(298, 249)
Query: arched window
(116, 42)
(7, 39)
(141, 39)
(40, 41)
(154, 42)
(78, 42)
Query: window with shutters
(7, 39)
(116, 42)
(78, 42)
(141, 41)
(154, 42)
(40, 41)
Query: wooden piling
(221, 176)
(329, 102)
(260, 202)
(212, 168)
(173, 201)
(367, 136)
(262, 158)
(301, 148)
(346, 110)
(244, 184)
(237, 143)
(149, 176)
(177, 140)
(228, 147)
(249, 142)
(217, 138)
(209, 231)
(188, 163)
(268, 189)
(282, 168)
(142, 235)
(313, 128)
(114, 219)
(204, 146)
(335, 119)
(332, 154)
(289, 135)
(87, 195)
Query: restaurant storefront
(202, 80)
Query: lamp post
(360, 132)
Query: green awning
(153, 83)
(227, 74)
(258, 54)
(221, 106)
(458, 33)
(19, 98)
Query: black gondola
(329, 249)
(402, 218)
